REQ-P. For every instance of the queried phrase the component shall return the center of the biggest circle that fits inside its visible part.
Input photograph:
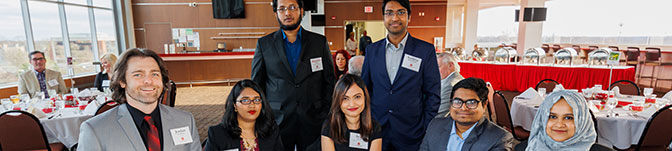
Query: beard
(142, 98)
(291, 26)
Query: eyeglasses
(290, 8)
(391, 13)
(471, 103)
(248, 101)
(37, 59)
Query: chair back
(556, 47)
(546, 47)
(657, 133)
(21, 130)
(593, 47)
(502, 112)
(626, 87)
(168, 96)
(106, 106)
(632, 54)
(549, 84)
(652, 54)
(614, 48)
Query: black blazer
(220, 139)
(98, 83)
(306, 95)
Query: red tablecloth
(511, 77)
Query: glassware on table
(648, 91)
(542, 92)
(60, 104)
(610, 105)
(637, 105)
(598, 104)
(15, 99)
(6, 103)
(650, 99)
(52, 93)
(39, 95)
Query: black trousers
(299, 132)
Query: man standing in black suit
(294, 68)
(364, 41)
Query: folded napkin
(648, 112)
(37, 112)
(617, 92)
(558, 87)
(668, 95)
(592, 106)
(532, 95)
(91, 108)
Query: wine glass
(648, 91)
(610, 105)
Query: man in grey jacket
(465, 128)
(450, 75)
(140, 123)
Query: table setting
(621, 118)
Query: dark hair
(35, 52)
(264, 125)
(121, 67)
(346, 55)
(405, 3)
(275, 4)
(475, 84)
(337, 127)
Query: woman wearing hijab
(563, 123)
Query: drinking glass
(610, 105)
(60, 105)
(542, 92)
(15, 99)
(6, 103)
(648, 91)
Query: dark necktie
(43, 85)
(153, 142)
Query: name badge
(316, 64)
(411, 62)
(53, 83)
(356, 141)
(181, 135)
(235, 149)
(106, 83)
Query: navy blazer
(405, 108)
(485, 136)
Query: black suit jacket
(306, 95)
(219, 139)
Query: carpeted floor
(206, 103)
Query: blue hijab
(584, 136)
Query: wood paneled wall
(423, 27)
(258, 14)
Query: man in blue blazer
(402, 75)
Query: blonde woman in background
(103, 79)
(351, 44)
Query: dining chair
(626, 87)
(106, 106)
(549, 84)
(657, 133)
(20, 130)
(503, 114)
(651, 58)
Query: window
(47, 34)
(496, 26)
(608, 22)
(79, 31)
(86, 26)
(13, 55)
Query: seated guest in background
(350, 125)
(563, 122)
(103, 78)
(466, 128)
(450, 75)
(248, 123)
(341, 58)
(355, 65)
(140, 122)
(40, 79)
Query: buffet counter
(207, 68)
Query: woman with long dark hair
(248, 123)
(350, 126)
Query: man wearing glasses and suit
(294, 68)
(402, 75)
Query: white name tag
(53, 83)
(411, 62)
(316, 64)
(235, 149)
(181, 135)
(356, 141)
(106, 83)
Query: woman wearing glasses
(466, 128)
(349, 126)
(248, 123)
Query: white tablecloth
(621, 131)
(64, 129)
